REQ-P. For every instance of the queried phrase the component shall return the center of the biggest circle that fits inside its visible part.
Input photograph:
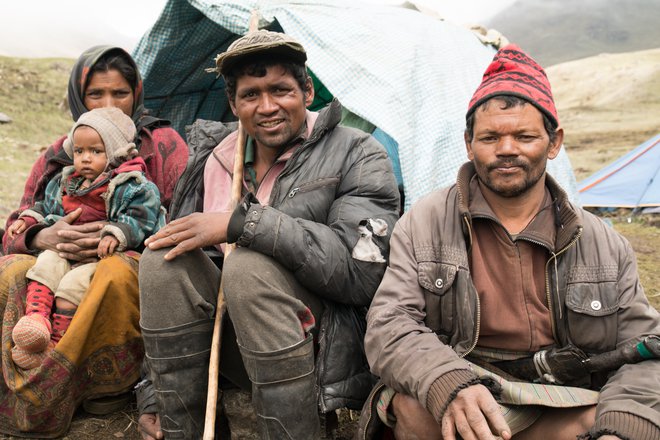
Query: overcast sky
(54, 28)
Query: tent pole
(214, 361)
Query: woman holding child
(101, 353)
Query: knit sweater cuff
(625, 425)
(445, 388)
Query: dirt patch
(84, 426)
(123, 425)
(119, 425)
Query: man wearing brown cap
(498, 289)
(312, 237)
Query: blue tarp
(632, 181)
(405, 72)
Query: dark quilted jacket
(338, 178)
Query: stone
(4, 119)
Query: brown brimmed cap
(271, 43)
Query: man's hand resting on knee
(475, 415)
(194, 231)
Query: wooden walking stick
(214, 361)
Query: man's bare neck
(265, 158)
(515, 213)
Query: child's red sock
(61, 321)
(39, 299)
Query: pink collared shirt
(219, 167)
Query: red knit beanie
(513, 72)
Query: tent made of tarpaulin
(632, 181)
(407, 73)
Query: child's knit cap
(117, 130)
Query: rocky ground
(123, 425)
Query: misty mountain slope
(607, 104)
(555, 31)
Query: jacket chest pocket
(437, 280)
(592, 314)
(311, 200)
(325, 182)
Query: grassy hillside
(555, 31)
(31, 94)
(645, 240)
(607, 104)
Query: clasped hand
(74, 242)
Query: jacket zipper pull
(293, 192)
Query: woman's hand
(73, 242)
(195, 231)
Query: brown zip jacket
(424, 318)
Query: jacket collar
(317, 125)
(567, 221)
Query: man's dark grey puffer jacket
(333, 193)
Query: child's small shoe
(28, 360)
(32, 333)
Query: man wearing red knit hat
(501, 297)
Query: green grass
(645, 240)
(32, 93)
